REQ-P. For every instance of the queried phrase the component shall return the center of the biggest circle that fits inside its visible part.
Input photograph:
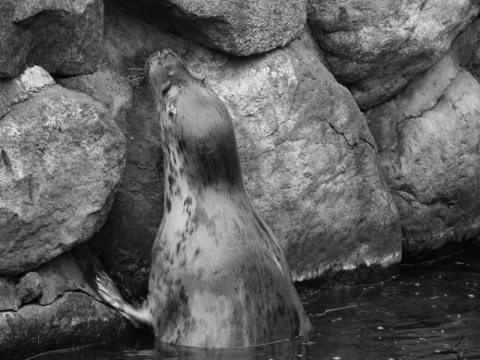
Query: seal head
(194, 121)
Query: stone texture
(62, 36)
(308, 160)
(428, 138)
(61, 156)
(470, 40)
(30, 287)
(35, 78)
(307, 155)
(8, 295)
(74, 270)
(75, 319)
(11, 92)
(64, 309)
(376, 47)
(237, 27)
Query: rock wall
(56, 306)
(307, 155)
(62, 36)
(237, 27)
(347, 193)
(61, 157)
(428, 138)
(376, 47)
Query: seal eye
(166, 89)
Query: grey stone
(237, 27)
(61, 157)
(30, 287)
(74, 319)
(428, 138)
(8, 295)
(376, 47)
(62, 36)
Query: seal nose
(163, 58)
(169, 59)
(166, 52)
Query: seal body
(218, 277)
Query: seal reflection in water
(218, 276)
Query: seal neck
(201, 165)
(198, 138)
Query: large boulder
(307, 155)
(428, 138)
(308, 160)
(62, 36)
(73, 320)
(57, 306)
(61, 157)
(376, 47)
(237, 27)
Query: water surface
(423, 313)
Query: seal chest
(218, 276)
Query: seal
(219, 278)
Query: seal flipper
(140, 318)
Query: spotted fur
(218, 277)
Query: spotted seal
(218, 278)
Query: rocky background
(357, 121)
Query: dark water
(424, 313)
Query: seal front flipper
(107, 290)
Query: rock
(30, 287)
(11, 92)
(66, 312)
(376, 48)
(237, 27)
(466, 46)
(428, 138)
(470, 40)
(74, 270)
(62, 36)
(307, 155)
(35, 78)
(308, 160)
(61, 157)
(8, 295)
(75, 319)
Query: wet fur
(218, 276)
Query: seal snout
(165, 58)
(161, 67)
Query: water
(424, 313)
